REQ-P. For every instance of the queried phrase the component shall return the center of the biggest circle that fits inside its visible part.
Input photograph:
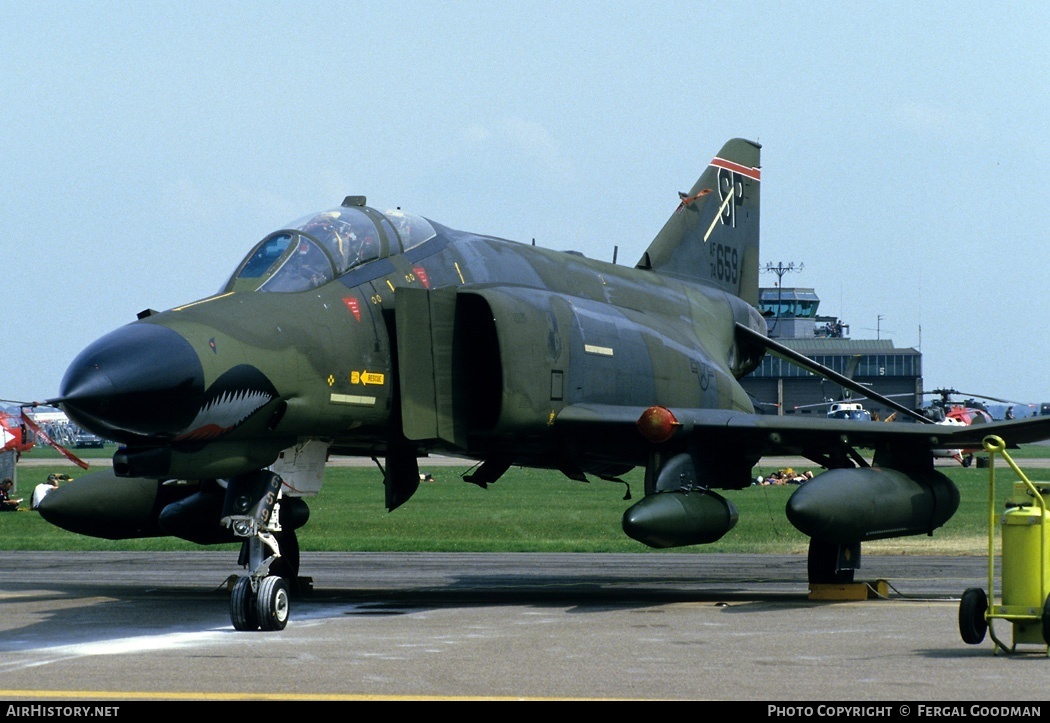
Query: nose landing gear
(259, 600)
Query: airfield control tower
(779, 387)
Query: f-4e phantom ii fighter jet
(388, 335)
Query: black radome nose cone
(140, 380)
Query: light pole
(780, 269)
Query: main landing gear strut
(260, 600)
(832, 564)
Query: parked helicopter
(20, 430)
(13, 435)
(969, 411)
(944, 410)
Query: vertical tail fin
(713, 234)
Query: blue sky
(146, 146)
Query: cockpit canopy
(318, 248)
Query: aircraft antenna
(616, 250)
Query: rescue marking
(389, 284)
(460, 273)
(367, 377)
(421, 274)
(599, 350)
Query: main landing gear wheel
(1046, 620)
(972, 623)
(243, 611)
(271, 605)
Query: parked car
(86, 439)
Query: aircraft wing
(689, 452)
(828, 442)
(805, 362)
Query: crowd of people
(785, 477)
(11, 504)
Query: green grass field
(528, 511)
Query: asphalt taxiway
(127, 626)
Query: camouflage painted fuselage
(470, 345)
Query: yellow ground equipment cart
(1024, 563)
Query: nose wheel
(242, 605)
(262, 606)
(271, 605)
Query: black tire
(1046, 620)
(272, 603)
(821, 563)
(243, 612)
(972, 623)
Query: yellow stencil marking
(367, 377)
(353, 399)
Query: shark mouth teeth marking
(233, 398)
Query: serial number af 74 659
(725, 263)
